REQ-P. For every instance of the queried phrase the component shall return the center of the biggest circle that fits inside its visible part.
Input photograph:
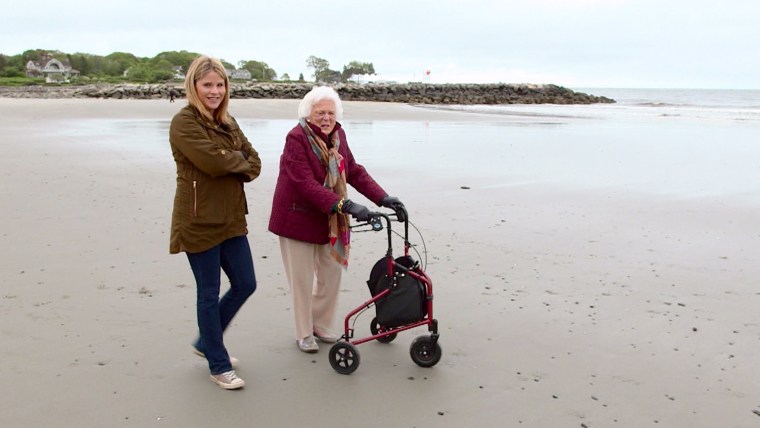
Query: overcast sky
(573, 43)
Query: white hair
(317, 94)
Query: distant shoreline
(410, 93)
(20, 109)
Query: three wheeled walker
(402, 294)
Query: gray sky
(573, 43)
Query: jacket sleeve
(296, 165)
(191, 139)
(253, 158)
(358, 177)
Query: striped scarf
(335, 180)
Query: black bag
(407, 301)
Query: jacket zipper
(195, 198)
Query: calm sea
(726, 104)
(703, 98)
(675, 143)
(672, 143)
(739, 105)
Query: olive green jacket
(209, 204)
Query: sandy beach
(558, 305)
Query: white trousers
(314, 279)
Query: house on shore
(51, 69)
(178, 73)
(238, 74)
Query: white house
(238, 74)
(52, 69)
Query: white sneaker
(228, 380)
(308, 344)
(234, 362)
(325, 335)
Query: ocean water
(708, 104)
(674, 143)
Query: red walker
(402, 294)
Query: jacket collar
(203, 120)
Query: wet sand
(558, 305)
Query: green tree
(33, 54)
(15, 66)
(356, 68)
(80, 62)
(330, 76)
(178, 58)
(12, 71)
(162, 70)
(300, 77)
(140, 73)
(116, 63)
(320, 66)
(259, 69)
(285, 76)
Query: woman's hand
(357, 211)
(396, 205)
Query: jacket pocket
(210, 202)
(296, 207)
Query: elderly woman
(310, 212)
(214, 159)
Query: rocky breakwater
(411, 93)
(424, 93)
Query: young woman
(214, 159)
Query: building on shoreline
(51, 69)
(235, 74)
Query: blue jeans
(214, 314)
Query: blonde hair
(317, 94)
(199, 68)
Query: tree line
(126, 67)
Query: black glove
(359, 212)
(390, 202)
(395, 204)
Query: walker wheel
(375, 328)
(344, 358)
(423, 353)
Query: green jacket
(209, 204)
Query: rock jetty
(411, 93)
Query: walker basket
(406, 301)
